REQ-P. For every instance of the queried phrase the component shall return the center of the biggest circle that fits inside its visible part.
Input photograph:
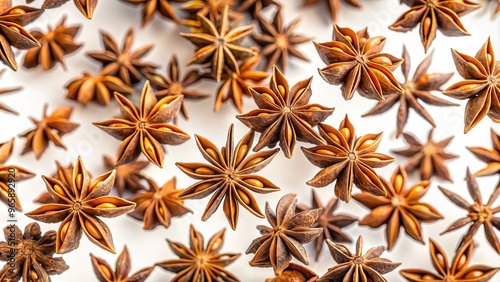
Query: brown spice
(490, 157)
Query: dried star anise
(86, 7)
(458, 271)
(172, 84)
(29, 256)
(347, 159)
(236, 83)
(284, 114)
(200, 263)
(357, 267)
(355, 62)
(128, 176)
(419, 87)
(105, 273)
(428, 158)
(50, 128)
(55, 44)
(164, 7)
(278, 41)
(63, 174)
(78, 207)
(97, 88)
(3, 107)
(123, 63)
(284, 239)
(331, 223)
(477, 213)
(211, 9)
(12, 33)
(333, 6)
(481, 85)
(295, 273)
(254, 7)
(7, 194)
(146, 127)
(400, 208)
(229, 176)
(490, 157)
(158, 205)
(218, 44)
(433, 15)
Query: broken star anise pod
(236, 83)
(172, 84)
(355, 62)
(50, 128)
(433, 15)
(3, 91)
(105, 273)
(347, 159)
(158, 205)
(229, 176)
(63, 174)
(357, 267)
(333, 6)
(331, 223)
(401, 207)
(55, 44)
(295, 273)
(490, 157)
(278, 42)
(122, 62)
(128, 176)
(428, 158)
(29, 256)
(149, 7)
(98, 88)
(458, 271)
(481, 85)
(284, 114)
(145, 128)
(9, 176)
(418, 88)
(200, 263)
(219, 44)
(284, 239)
(78, 207)
(477, 213)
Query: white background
(148, 247)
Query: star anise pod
(458, 271)
(29, 256)
(331, 223)
(55, 44)
(477, 213)
(401, 207)
(7, 172)
(333, 6)
(236, 83)
(284, 114)
(254, 7)
(433, 15)
(128, 176)
(278, 42)
(357, 267)
(419, 87)
(105, 273)
(295, 273)
(50, 128)
(219, 44)
(284, 239)
(145, 128)
(149, 7)
(355, 62)
(229, 176)
(98, 88)
(3, 91)
(86, 7)
(211, 9)
(122, 62)
(158, 205)
(428, 158)
(490, 157)
(78, 207)
(64, 174)
(481, 85)
(200, 263)
(347, 159)
(172, 84)
(13, 34)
